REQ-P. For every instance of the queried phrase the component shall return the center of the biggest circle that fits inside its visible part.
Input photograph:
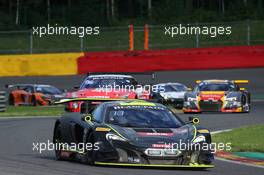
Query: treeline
(26, 13)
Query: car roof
(33, 85)
(169, 83)
(110, 75)
(216, 81)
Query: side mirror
(87, 118)
(194, 120)
(242, 89)
(76, 87)
(64, 90)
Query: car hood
(173, 94)
(102, 93)
(156, 137)
(212, 95)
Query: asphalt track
(17, 135)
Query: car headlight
(198, 139)
(165, 96)
(191, 99)
(236, 103)
(75, 105)
(125, 96)
(231, 99)
(110, 137)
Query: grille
(210, 106)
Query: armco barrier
(2, 101)
(39, 64)
(177, 59)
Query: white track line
(231, 161)
(239, 163)
(220, 131)
(29, 117)
(257, 100)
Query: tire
(11, 100)
(88, 157)
(34, 101)
(57, 141)
(245, 101)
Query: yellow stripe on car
(102, 129)
(137, 103)
(155, 165)
(195, 132)
(203, 131)
(116, 131)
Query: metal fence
(2, 101)
(117, 38)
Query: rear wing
(234, 81)
(16, 85)
(241, 81)
(91, 100)
(89, 104)
(120, 73)
(152, 74)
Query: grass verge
(244, 139)
(13, 111)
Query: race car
(33, 94)
(217, 96)
(131, 133)
(106, 86)
(170, 93)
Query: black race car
(130, 133)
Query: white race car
(170, 93)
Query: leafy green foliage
(104, 13)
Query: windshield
(48, 90)
(108, 82)
(142, 117)
(216, 87)
(175, 88)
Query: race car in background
(33, 94)
(217, 96)
(110, 86)
(170, 93)
(131, 133)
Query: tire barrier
(171, 60)
(2, 101)
(132, 61)
(39, 64)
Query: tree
(17, 11)
(48, 10)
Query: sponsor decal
(155, 134)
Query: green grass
(117, 38)
(13, 111)
(244, 139)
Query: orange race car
(33, 94)
(217, 96)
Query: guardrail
(2, 101)
(119, 38)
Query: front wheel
(11, 100)
(88, 156)
(57, 141)
(34, 101)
